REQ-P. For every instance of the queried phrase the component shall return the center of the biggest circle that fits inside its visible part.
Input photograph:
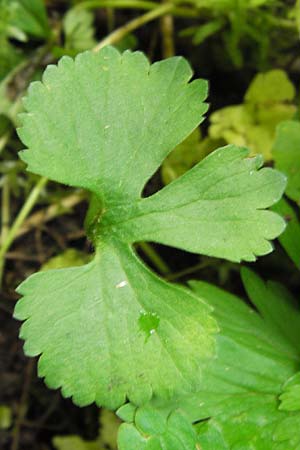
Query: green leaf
(207, 30)
(103, 104)
(290, 238)
(255, 357)
(290, 397)
(91, 340)
(287, 433)
(112, 329)
(270, 87)
(79, 30)
(254, 122)
(287, 156)
(220, 201)
(156, 430)
(30, 16)
(275, 305)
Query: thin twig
(155, 258)
(51, 212)
(110, 19)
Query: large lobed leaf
(250, 392)
(112, 329)
(106, 121)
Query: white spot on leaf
(121, 284)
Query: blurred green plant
(244, 27)
(109, 425)
(267, 102)
(5, 417)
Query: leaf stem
(25, 210)
(189, 270)
(155, 258)
(121, 32)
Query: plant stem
(110, 19)
(167, 31)
(135, 4)
(188, 271)
(154, 257)
(28, 205)
(5, 209)
(52, 211)
(121, 32)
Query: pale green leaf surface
(157, 430)
(106, 121)
(241, 387)
(287, 435)
(276, 305)
(90, 338)
(286, 153)
(290, 238)
(220, 201)
(111, 329)
(270, 87)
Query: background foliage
(249, 51)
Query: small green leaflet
(152, 429)
(106, 122)
(286, 153)
(270, 87)
(91, 340)
(78, 30)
